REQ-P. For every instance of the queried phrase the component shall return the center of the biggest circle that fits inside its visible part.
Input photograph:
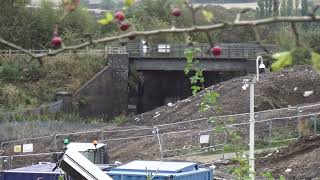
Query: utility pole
(251, 137)
(250, 83)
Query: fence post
(224, 143)
(270, 132)
(299, 119)
(314, 125)
(11, 162)
(102, 136)
(156, 131)
(55, 141)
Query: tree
(16, 22)
(261, 8)
(108, 4)
(31, 28)
(268, 8)
(275, 8)
(283, 8)
(296, 7)
(289, 8)
(304, 7)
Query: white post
(257, 66)
(156, 131)
(252, 121)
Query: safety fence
(178, 140)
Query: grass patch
(119, 120)
(25, 83)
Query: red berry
(124, 26)
(119, 15)
(216, 50)
(176, 12)
(56, 41)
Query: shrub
(10, 71)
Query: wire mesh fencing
(201, 137)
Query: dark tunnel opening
(158, 88)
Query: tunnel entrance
(158, 88)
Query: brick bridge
(160, 68)
(170, 57)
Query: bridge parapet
(229, 50)
(116, 50)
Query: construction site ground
(278, 96)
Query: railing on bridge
(231, 50)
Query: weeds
(25, 83)
(119, 120)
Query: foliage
(284, 40)
(197, 79)
(265, 9)
(27, 84)
(304, 7)
(10, 71)
(107, 19)
(208, 100)
(109, 4)
(311, 38)
(32, 28)
(283, 8)
(119, 120)
(290, 8)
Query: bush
(120, 119)
(301, 56)
(10, 71)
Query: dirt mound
(274, 90)
(299, 160)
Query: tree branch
(204, 28)
(296, 34)
(17, 47)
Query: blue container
(160, 170)
(136, 170)
(34, 172)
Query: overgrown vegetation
(25, 84)
(31, 28)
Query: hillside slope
(274, 90)
(25, 84)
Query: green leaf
(283, 60)
(316, 61)
(109, 16)
(208, 15)
(220, 128)
(282, 178)
(103, 22)
(188, 53)
(231, 120)
(61, 177)
(195, 89)
(194, 79)
(108, 19)
(129, 3)
(268, 175)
